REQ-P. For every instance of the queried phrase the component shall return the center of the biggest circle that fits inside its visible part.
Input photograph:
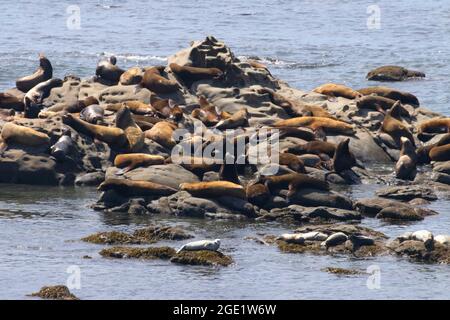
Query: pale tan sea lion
(9, 101)
(406, 164)
(315, 123)
(131, 76)
(155, 82)
(395, 128)
(129, 161)
(337, 90)
(191, 74)
(136, 188)
(13, 133)
(238, 119)
(214, 189)
(162, 133)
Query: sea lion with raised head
(155, 82)
(9, 101)
(206, 113)
(343, 159)
(191, 74)
(214, 189)
(135, 136)
(395, 128)
(404, 97)
(316, 123)
(210, 245)
(406, 165)
(43, 73)
(393, 73)
(136, 187)
(93, 114)
(131, 76)
(108, 71)
(36, 95)
(13, 133)
(129, 161)
(337, 90)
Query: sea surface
(306, 43)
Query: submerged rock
(343, 272)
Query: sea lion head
(113, 60)
(123, 117)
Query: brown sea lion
(155, 82)
(214, 189)
(166, 108)
(238, 119)
(374, 102)
(131, 76)
(256, 65)
(36, 95)
(293, 181)
(196, 165)
(108, 71)
(206, 113)
(302, 133)
(257, 193)
(394, 127)
(423, 152)
(404, 97)
(440, 153)
(13, 133)
(129, 161)
(136, 188)
(314, 147)
(43, 73)
(337, 90)
(228, 172)
(435, 125)
(162, 133)
(191, 74)
(393, 73)
(134, 134)
(292, 162)
(343, 159)
(73, 107)
(9, 101)
(406, 165)
(135, 106)
(315, 123)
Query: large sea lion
(314, 147)
(43, 73)
(206, 113)
(133, 132)
(238, 119)
(257, 193)
(136, 187)
(191, 74)
(374, 102)
(423, 152)
(9, 101)
(131, 76)
(93, 114)
(292, 162)
(440, 153)
(162, 133)
(108, 71)
(393, 73)
(35, 96)
(211, 245)
(395, 128)
(63, 148)
(214, 189)
(316, 123)
(293, 181)
(433, 126)
(302, 133)
(129, 161)
(155, 82)
(135, 106)
(406, 164)
(13, 133)
(343, 159)
(337, 90)
(404, 97)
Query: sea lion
(440, 153)
(108, 71)
(256, 65)
(196, 165)
(43, 73)
(214, 189)
(155, 82)
(404, 97)
(337, 90)
(334, 240)
(406, 164)
(35, 96)
(314, 147)
(113, 136)
(93, 114)
(162, 133)
(293, 181)
(434, 126)
(238, 119)
(301, 133)
(292, 162)
(136, 187)
(9, 101)
(206, 113)
(129, 161)
(211, 245)
(395, 128)
(228, 172)
(374, 102)
(13, 133)
(315, 123)
(63, 147)
(343, 159)
(166, 108)
(393, 73)
(135, 106)
(73, 107)
(133, 132)
(131, 76)
(257, 194)
(191, 74)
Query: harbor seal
(191, 74)
(136, 187)
(108, 71)
(13, 133)
(214, 189)
(406, 164)
(93, 114)
(63, 148)
(9, 101)
(43, 73)
(393, 73)
(135, 136)
(334, 240)
(211, 245)
(296, 238)
(443, 239)
(129, 161)
(337, 90)
(131, 76)
(155, 82)
(425, 236)
(360, 241)
(35, 96)
(316, 123)
(404, 97)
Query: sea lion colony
(116, 129)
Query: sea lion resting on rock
(293, 181)
(135, 106)
(63, 147)
(131, 76)
(214, 189)
(191, 74)
(337, 90)
(404, 97)
(43, 73)
(9, 101)
(155, 82)
(34, 97)
(93, 114)
(133, 132)
(162, 133)
(13, 133)
(406, 164)
(211, 245)
(136, 188)
(257, 193)
(314, 147)
(206, 113)
(435, 125)
(394, 127)
(302, 133)
(440, 153)
(316, 123)
(238, 119)
(423, 152)
(108, 71)
(375, 102)
(393, 73)
(73, 107)
(130, 161)
(292, 162)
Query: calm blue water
(306, 43)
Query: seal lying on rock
(63, 147)
(13, 133)
(334, 240)
(192, 74)
(130, 161)
(135, 106)
(155, 82)
(214, 189)
(440, 153)
(162, 133)
(93, 114)
(211, 245)
(238, 119)
(131, 76)
(375, 102)
(314, 147)
(315, 123)
(404, 97)
(433, 126)
(108, 71)
(36, 95)
(43, 73)
(423, 152)
(337, 90)
(393, 73)
(136, 188)
(406, 164)
(9, 101)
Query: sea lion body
(435, 125)
(133, 132)
(238, 119)
(155, 82)
(35, 96)
(191, 74)
(374, 102)
(292, 162)
(257, 193)
(43, 73)
(136, 188)
(107, 70)
(129, 161)
(440, 153)
(93, 114)
(131, 76)
(162, 133)
(214, 189)
(393, 73)
(395, 128)
(404, 97)
(337, 90)
(314, 147)
(301, 133)
(211, 245)
(294, 181)
(9, 101)
(343, 159)
(63, 147)
(135, 106)
(406, 164)
(315, 123)
(13, 133)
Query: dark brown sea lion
(36, 95)
(134, 134)
(435, 125)
(136, 188)
(162, 133)
(228, 172)
(406, 165)
(440, 153)
(191, 74)
(43, 73)
(404, 97)
(423, 152)
(292, 162)
(343, 159)
(129, 161)
(314, 147)
(108, 71)
(257, 193)
(131, 76)
(374, 102)
(238, 119)
(315, 123)
(9, 101)
(214, 189)
(13, 133)
(294, 181)
(393, 73)
(395, 128)
(135, 106)
(337, 90)
(155, 82)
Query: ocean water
(306, 43)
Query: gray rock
(90, 179)
(407, 193)
(314, 197)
